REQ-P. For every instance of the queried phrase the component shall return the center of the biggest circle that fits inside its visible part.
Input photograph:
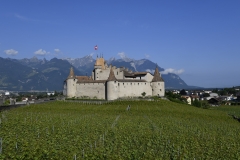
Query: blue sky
(199, 40)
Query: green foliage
(206, 95)
(201, 104)
(149, 130)
(175, 97)
(7, 102)
(144, 94)
(183, 92)
(226, 91)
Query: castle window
(123, 83)
(158, 83)
(118, 84)
(117, 73)
(145, 83)
(131, 83)
(138, 83)
(160, 89)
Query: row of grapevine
(146, 130)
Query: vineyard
(118, 130)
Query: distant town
(213, 97)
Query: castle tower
(71, 84)
(98, 67)
(100, 63)
(112, 86)
(158, 88)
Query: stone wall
(103, 74)
(134, 89)
(92, 90)
(1, 101)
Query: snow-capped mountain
(86, 64)
(42, 74)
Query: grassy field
(149, 130)
(231, 110)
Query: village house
(188, 98)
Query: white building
(109, 82)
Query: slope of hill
(149, 130)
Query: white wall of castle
(116, 90)
(134, 89)
(158, 89)
(112, 90)
(92, 90)
(102, 74)
(71, 87)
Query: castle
(110, 83)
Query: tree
(144, 94)
(183, 92)
(206, 95)
(196, 103)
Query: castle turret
(71, 84)
(100, 63)
(112, 86)
(158, 88)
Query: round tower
(158, 86)
(112, 86)
(71, 84)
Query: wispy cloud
(150, 70)
(27, 19)
(147, 56)
(11, 52)
(41, 52)
(57, 50)
(23, 18)
(171, 70)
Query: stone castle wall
(134, 89)
(92, 90)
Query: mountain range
(42, 75)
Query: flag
(96, 47)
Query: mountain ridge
(172, 81)
(41, 74)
